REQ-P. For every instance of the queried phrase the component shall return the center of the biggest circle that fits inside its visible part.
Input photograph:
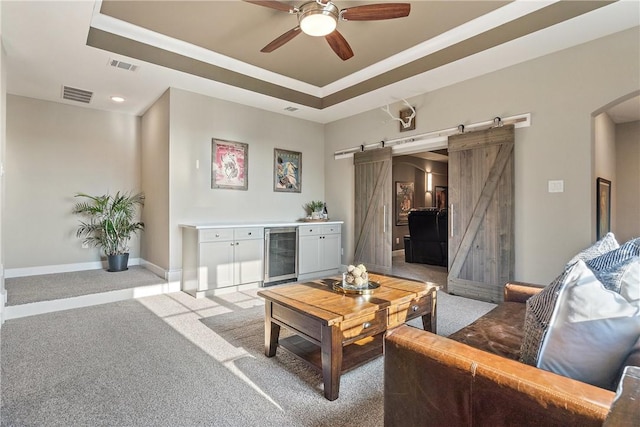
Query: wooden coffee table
(326, 322)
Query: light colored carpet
(48, 287)
(172, 360)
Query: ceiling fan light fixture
(318, 19)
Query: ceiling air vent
(291, 109)
(78, 95)
(122, 65)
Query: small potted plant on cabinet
(110, 224)
(314, 209)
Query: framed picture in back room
(404, 201)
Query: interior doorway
(419, 182)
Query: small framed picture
(287, 171)
(441, 197)
(603, 209)
(404, 201)
(229, 164)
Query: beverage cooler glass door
(281, 255)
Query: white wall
(627, 181)
(195, 120)
(561, 91)
(53, 151)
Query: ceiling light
(117, 99)
(318, 19)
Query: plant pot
(118, 262)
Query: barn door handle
(384, 218)
(451, 216)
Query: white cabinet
(221, 257)
(319, 250)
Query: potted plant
(314, 208)
(110, 224)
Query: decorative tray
(368, 290)
(314, 220)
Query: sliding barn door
(373, 202)
(481, 230)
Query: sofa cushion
(602, 246)
(538, 311)
(498, 332)
(591, 332)
(623, 278)
(540, 307)
(616, 256)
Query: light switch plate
(556, 186)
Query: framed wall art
(603, 209)
(404, 201)
(229, 164)
(441, 198)
(287, 171)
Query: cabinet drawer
(331, 229)
(364, 326)
(248, 233)
(215, 234)
(401, 313)
(309, 230)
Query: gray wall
(561, 91)
(194, 121)
(155, 183)
(3, 127)
(54, 151)
(605, 158)
(627, 181)
(77, 149)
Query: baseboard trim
(168, 275)
(42, 307)
(61, 268)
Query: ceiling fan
(320, 18)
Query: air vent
(78, 95)
(291, 109)
(122, 65)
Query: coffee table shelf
(354, 355)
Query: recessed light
(117, 99)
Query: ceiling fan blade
(273, 5)
(374, 12)
(339, 45)
(286, 37)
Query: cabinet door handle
(366, 325)
(237, 243)
(414, 308)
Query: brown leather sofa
(474, 378)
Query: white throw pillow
(591, 331)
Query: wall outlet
(85, 245)
(397, 240)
